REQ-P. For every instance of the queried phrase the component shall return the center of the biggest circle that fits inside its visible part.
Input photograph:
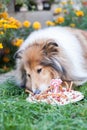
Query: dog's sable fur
(55, 52)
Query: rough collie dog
(54, 52)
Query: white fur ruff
(65, 40)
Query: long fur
(61, 50)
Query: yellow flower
(60, 20)
(65, 11)
(1, 32)
(63, 2)
(14, 23)
(26, 24)
(2, 21)
(36, 25)
(11, 20)
(57, 10)
(1, 46)
(13, 26)
(72, 25)
(79, 13)
(17, 42)
(1, 25)
(6, 59)
(50, 23)
(18, 24)
(6, 26)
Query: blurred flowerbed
(12, 35)
(70, 14)
(13, 32)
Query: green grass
(18, 114)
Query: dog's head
(40, 62)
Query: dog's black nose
(37, 91)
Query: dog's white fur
(70, 44)
(65, 40)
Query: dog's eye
(28, 75)
(39, 70)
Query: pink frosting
(55, 83)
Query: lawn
(18, 114)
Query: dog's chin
(43, 87)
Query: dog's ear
(18, 54)
(50, 48)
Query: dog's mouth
(37, 91)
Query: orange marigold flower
(0, 26)
(18, 24)
(11, 19)
(5, 15)
(36, 25)
(60, 20)
(6, 59)
(1, 16)
(1, 46)
(6, 50)
(14, 23)
(79, 13)
(26, 24)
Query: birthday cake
(56, 94)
